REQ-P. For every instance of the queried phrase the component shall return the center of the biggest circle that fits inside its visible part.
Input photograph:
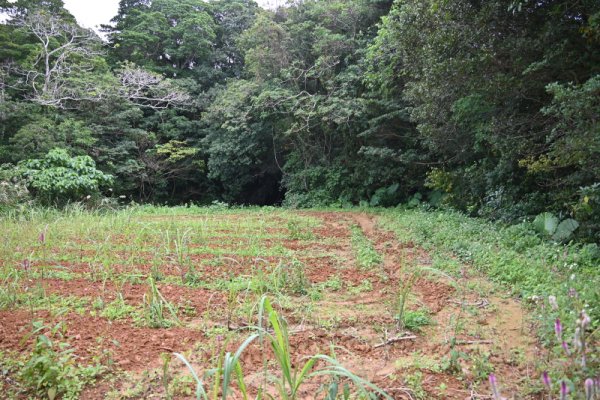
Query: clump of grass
(404, 290)
(10, 288)
(298, 231)
(117, 309)
(290, 277)
(272, 331)
(177, 249)
(411, 274)
(364, 286)
(366, 255)
(158, 312)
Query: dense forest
(489, 107)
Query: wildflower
(572, 292)
(42, 237)
(585, 320)
(589, 388)
(546, 379)
(26, 264)
(553, 303)
(564, 390)
(558, 329)
(565, 347)
(494, 385)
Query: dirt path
(491, 330)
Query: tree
(170, 37)
(148, 89)
(475, 75)
(239, 145)
(64, 68)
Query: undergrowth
(559, 282)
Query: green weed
(51, 370)
(118, 309)
(414, 320)
(272, 331)
(366, 255)
(158, 312)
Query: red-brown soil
(356, 324)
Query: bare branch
(66, 51)
(148, 89)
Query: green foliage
(287, 382)
(515, 256)
(167, 36)
(385, 196)
(117, 309)
(490, 105)
(366, 256)
(12, 187)
(58, 178)
(511, 136)
(414, 382)
(38, 137)
(298, 230)
(51, 368)
(240, 146)
(414, 320)
(292, 277)
(548, 224)
(401, 301)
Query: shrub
(59, 178)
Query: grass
(514, 256)
(208, 272)
(366, 255)
(533, 268)
(272, 331)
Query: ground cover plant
(158, 302)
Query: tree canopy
(488, 107)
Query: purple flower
(565, 347)
(42, 237)
(494, 385)
(546, 379)
(26, 265)
(564, 390)
(589, 388)
(558, 329)
(585, 320)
